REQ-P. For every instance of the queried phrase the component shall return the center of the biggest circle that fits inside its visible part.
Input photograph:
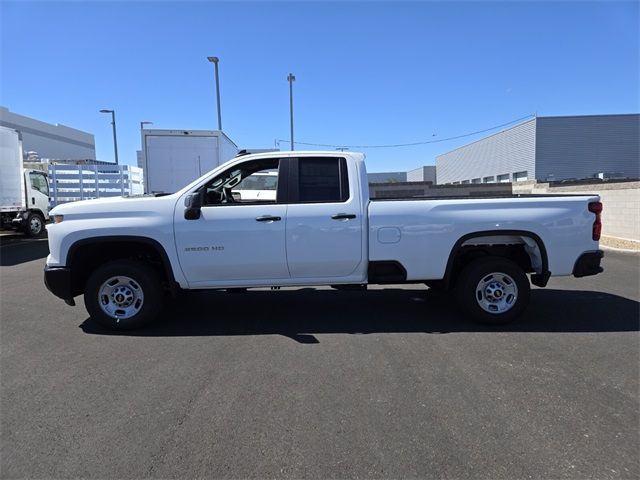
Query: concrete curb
(616, 249)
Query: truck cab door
(231, 241)
(37, 191)
(324, 220)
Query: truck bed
(480, 197)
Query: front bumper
(58, 282)
(588, 264)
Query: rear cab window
(319, 180)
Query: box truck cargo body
(24, 193)
(174, 158)
(12, 196)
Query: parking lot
(316, 383)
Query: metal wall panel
(506, 152)
(582, 146)
(55, 142)
(426, 173)
(387, 177)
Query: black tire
(34, 227)
(469, 299)
(437, 285)
(144, 278)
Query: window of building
(503, 178)
(488, 179)
(475, 180)
(520, 176)
(465, 182)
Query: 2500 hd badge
(204, 249)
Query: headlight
(58, 218)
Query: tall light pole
(113, 124)
(215, 61)
(291, 79)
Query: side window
(322, 180)
(247, 183)
(39, 182)
(261, 185)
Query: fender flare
(538, 279)
(157, 246)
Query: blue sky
(367, 73)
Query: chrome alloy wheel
(35, 225)
(496, 293)
(120, 297)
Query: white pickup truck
(126, 254)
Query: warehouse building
(387, 177)
(45, 141)
(426, 173)
(549, 149)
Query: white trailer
(24, 193)
(174, 158)
(70, 183)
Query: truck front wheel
(493, 290)
(35, 225)
(123, 295)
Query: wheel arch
(80, 249)
(492, 237)
(39, 212)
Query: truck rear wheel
(493, 290)
(123, 295)
(35, 225)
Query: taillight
(596, 207)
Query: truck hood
(114, 205)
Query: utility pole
(215, 61)
(291, 79)
(113, 124)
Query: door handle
(268, 218)
(343, 216)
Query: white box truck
(24, 193)
(174, 158)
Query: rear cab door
(324, 228)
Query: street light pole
(215, 61)
(113, 124)
(291, 79)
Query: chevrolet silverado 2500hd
(320, 228)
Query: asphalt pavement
(315, 383)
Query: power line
(414, 143)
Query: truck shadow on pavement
(301, 314)
(17, 249)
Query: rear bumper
(588, 264)
(58, 282)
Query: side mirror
(193, 204)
